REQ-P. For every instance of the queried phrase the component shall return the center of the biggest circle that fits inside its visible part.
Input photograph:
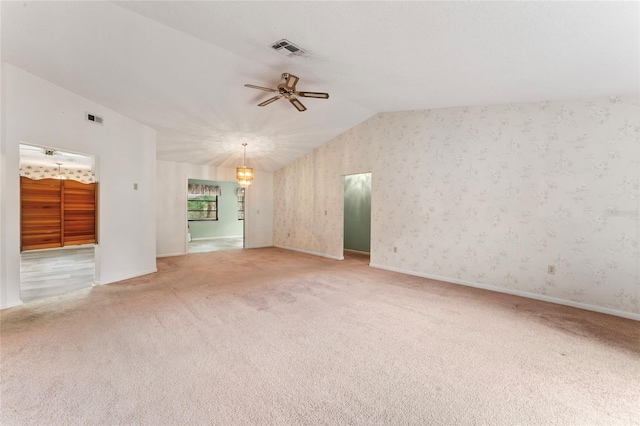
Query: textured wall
(488, 195)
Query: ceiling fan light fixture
(244, 174)
(287, 90)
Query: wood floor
(46, 273)
(216, 244)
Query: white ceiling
(180, 67)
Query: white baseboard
(12, 305)
(542, 297)
(315, 253)
(358, 251)
(170, 254)
(215, 238)
(71, 247)
(153, 271)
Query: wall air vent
(286, 48)
(94, 118)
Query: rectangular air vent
(94, 118)
(287, 48)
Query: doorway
(357, 214)
(58, 198)
(215, 216)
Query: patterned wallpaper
(48, 172)
(490, 195)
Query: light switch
(135, 186)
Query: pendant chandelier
(244, 174)
(60, 175)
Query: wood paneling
(40, 213)
(79, 212)
(56, 213)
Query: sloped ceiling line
(180, 67)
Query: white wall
(171, 199)
(3, 269)
(487, 196)
(37, 112)
(259, 211)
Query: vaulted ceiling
(180, 67)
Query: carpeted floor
(269, 336)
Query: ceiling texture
(180, 67)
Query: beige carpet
(269, 336)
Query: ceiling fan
(287, 90)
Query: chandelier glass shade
(244, 174)
(60, 175)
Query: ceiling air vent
(94, 118)
(287, 48)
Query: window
(202, 207)
(202, 201)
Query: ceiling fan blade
(270, 100)
(296, 103)
(316, 95)
(266, 89)
(291, 81)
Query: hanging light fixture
(244, 174)
(60, 175)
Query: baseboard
(71, 247)
(357, 251)
(315, 253)
(215, 238)
(257, 247)
(12, 305)
(153, 271)
(170, 255)
(600, 309)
